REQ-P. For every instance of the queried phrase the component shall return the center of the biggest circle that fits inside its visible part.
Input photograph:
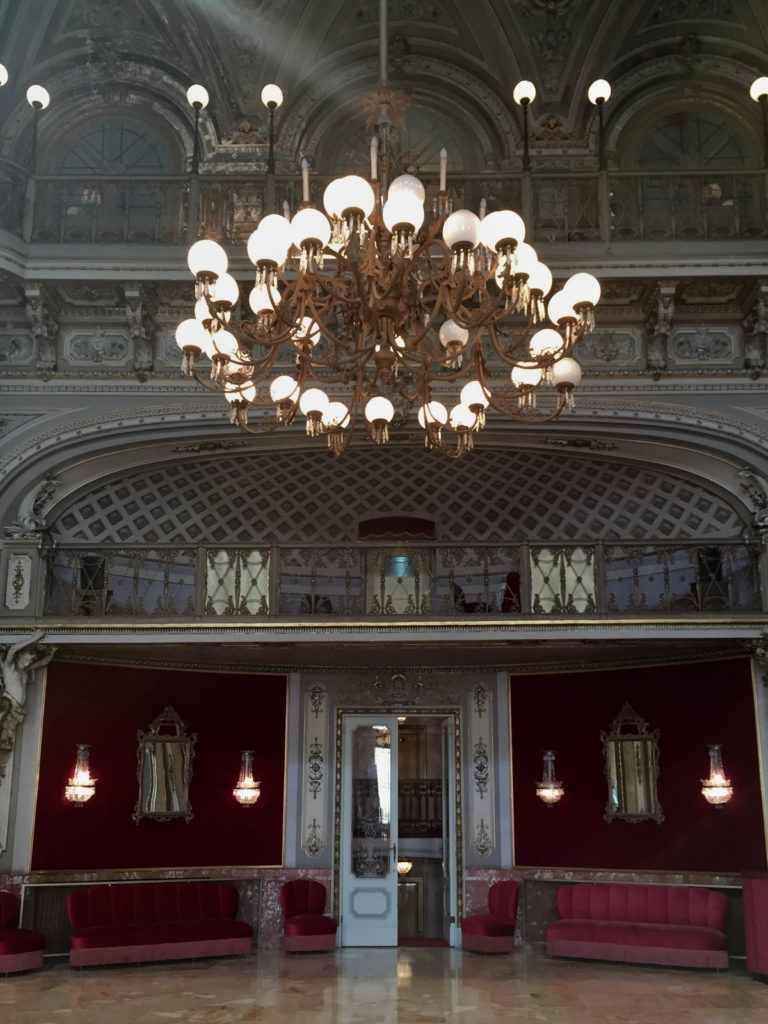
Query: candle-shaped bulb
(443, 167)
(305, 180)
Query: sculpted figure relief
(17, 663)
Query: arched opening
(106, 179)
(694, 181)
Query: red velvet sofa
(651, 924)
(132, 923)
(21, 949)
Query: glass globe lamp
(403, 210)
(309, 228)
(38, 97)
(407, 184)
(524, 92)
(197, 96)
(271, 95)
(599, 91)
(462, 230)
(499, 227)
(207, 257)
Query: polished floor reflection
(385, 986)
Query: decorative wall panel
(481, 789)
(316, 780)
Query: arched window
(115, 145)
(691, 140)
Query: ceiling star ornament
(385, 101)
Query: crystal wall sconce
(81, 787)
(247, 791)
(717, 789)
(549, 790)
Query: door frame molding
(399, 709)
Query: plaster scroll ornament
(30, 522)
(756, 490)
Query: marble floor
(382, 986)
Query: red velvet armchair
(306, 927)
(493, 932)
(21, 949)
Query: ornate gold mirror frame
(631, 754)
(164, 769)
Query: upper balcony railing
(428, 581)
(608, 206)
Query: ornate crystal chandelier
(247, 791)
(376, 309)
(81, 787)
(717, 789)
(550, 790)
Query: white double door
(369, 836)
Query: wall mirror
(164, 769)
(631, 753)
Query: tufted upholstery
(155, 921)
(21, 949)
(493, 932)
(664, 924)
(306, 927)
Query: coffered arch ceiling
(494, 496)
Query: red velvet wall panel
(106, 706)
(691, 705)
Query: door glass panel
(371, 811)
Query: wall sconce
(549, 789)
(403, 867)
(246, 792)
(717, 789)
(81, 787)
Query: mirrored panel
(371, 814)
(164, 769)
(631, 753)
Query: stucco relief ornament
(30, 521)
(756, 491)
(482, 840)
(317, 698)
(315, 768)
(480, 699)
(313, 843)
(759, 651)
(481, 768)
(397, 690)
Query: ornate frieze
(16, 349)
(110, 348)
(701, 345)
(619, 346)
